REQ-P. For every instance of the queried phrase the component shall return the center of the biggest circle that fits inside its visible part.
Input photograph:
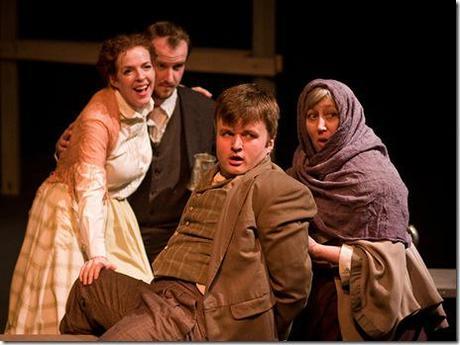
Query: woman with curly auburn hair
(81, 221)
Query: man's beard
(164, 94)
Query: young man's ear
(270, 144)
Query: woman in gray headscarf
(368, 276)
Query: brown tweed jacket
(260, 270)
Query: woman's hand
(323, 252)
(91, 269)
(313, 248)
(203, 91)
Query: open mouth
(236, 160)
(142, 90)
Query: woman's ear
(113, 81)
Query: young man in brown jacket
(237, 267)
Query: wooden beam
(9, 105)
(50, 51)
(206, 60)
(233, 61)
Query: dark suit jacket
(198, 122)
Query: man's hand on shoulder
(203, 91)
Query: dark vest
(160, 199)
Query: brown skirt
(319, 320)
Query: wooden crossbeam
(206, 60)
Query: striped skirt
(51, 258)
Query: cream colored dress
(81, 211)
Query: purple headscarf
(357, 189)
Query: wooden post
(9, 105)
(263, 36)
(263, 41)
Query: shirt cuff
(346, 253)
(97, 248)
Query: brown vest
(188, 251)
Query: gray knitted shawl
(357, 189)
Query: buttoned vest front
(161, 197)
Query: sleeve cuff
(346, 253)
(97, 248)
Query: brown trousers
(118, 307)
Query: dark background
(401, 62)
